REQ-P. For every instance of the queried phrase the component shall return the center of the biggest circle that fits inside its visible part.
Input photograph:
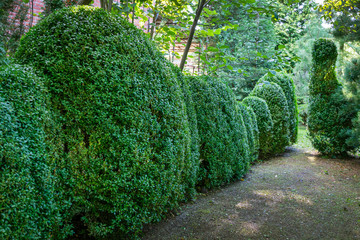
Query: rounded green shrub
(277, 103)
(27, 198)
(251, 130)
(287, 85)
(122, 139)
(255, 130)
(330, 114)
(224, 151)
(264, 123)
(192, 174)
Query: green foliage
(352, 80)
(224, 151)
(12, 27)
(252, 132)
(194, 133)
(287, 85)
(249, 46)
(264, 123)
(303, 48)
(121, 137)
(291, 18)
(27, 197)
(277, 103)
(330, 114)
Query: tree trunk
(201, 5)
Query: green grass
(303, 141)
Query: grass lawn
(303, 141)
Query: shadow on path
(298, 195)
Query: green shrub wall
(27, 199)
(192, 172)
(264, 124)
(287, 85)
(277, 103)
(224, 151)
(330, 115)
(251, 130)
(255, 132)
(122, 139)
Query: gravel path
(298, 195)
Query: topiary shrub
(122, 142)
(276, 101)
(287, 85)
(352, 81)
(27, 197)
(223, 144)
(251, 130)
(330, 115)
(256, 131)
(264, 123)
(194, 133)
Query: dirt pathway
(295, 196)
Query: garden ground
(297, 195)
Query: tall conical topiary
(330, 115)
(122, 133)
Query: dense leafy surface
(224, 151)
(277, 103)
(330, 114)
(288, 87)
(264, 123)
(251, 130)
(26, 201)
(352, 78)
(122, 142)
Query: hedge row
(27, 187)
(274, 103)
(113, 136)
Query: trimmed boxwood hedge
(122, 142)
(264, 123)
(223, 144)
(252, 132)
(255, 131)
(330, 114)
(27, 199)
(277, 103)
(192, 174)
(287, 85)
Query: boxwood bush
(251, 130)
(255, 130)
(122, 142)
(330, 114)
(192, 174)
(287, 85)
(27, 195)
(224, 151)
(277, 103)
(264, 123)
